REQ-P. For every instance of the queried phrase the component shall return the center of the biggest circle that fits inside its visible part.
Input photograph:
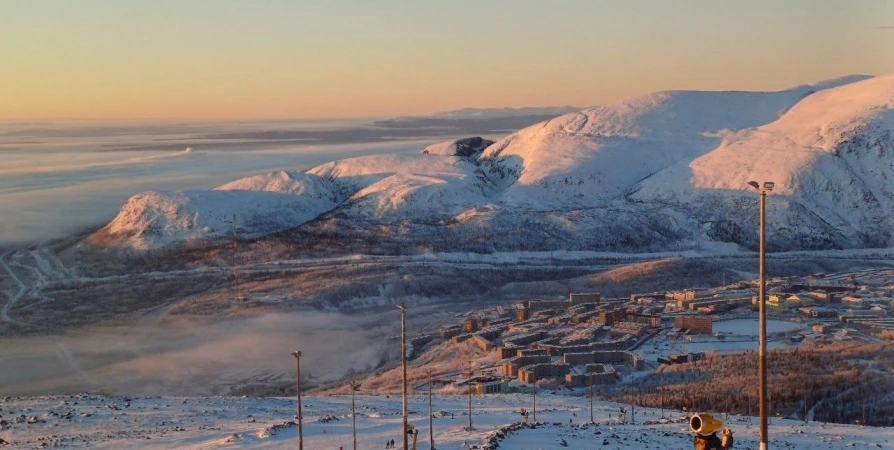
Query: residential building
(695, 324)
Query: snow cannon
(412, 431)
(704, 424)
(705, 428)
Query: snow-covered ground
(748, 327)
(94, 421)
(740, 335)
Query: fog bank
(189, 359)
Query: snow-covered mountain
(262, 204)
(481, 113)
(494, 113)
(662, 171)
(831, 156)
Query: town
(587, 340)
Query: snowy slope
(397, 187)
(586, 158)
(262, 204)
(193, 423)
(665, 171)
(831, 157)
(467, 147)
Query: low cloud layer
(185, 359)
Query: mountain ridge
(661, 171)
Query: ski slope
(193, 423)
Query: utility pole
(863, 401)
(234, 260)
(805, 409)
(403, 359)
(762, 311)
(591, 398)
(661, 396)
(354, 387)
(535, 401)
(297, 355)
(431, 427)
(470, 395)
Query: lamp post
(355, 386)
(297, 355)
(661, 391)
(535, 401)
(403, 363)
(470, 396)
(764, 189)
(431, 427)
(591, 398)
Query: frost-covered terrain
(665, 171)
(94, 421)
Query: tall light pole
(431, 427)
(661, 396)
(470, 396)
(403, 363)
(591, 398)
(235, 261)
(535, 401)
(661, 390)
(762, 311)
(297, 355)
(354, 387)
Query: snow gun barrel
(704, 424)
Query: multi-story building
(578, 299)
(470, 325)
(489, 385)
(511, 366)
(534, 372)
(695, 324)
(447, 332)
(594, 374)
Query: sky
(225, 59)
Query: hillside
(831, 156)
(193, 423)
(665, 171)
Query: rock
(466, 147)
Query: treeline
(840, 382)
